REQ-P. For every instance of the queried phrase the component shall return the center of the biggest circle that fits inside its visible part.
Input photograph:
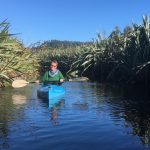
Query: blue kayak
(50, 91)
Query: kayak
(50, 91)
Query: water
(89, 116)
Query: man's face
(53, 66)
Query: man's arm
(45, 77)
(61, 77)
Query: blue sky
(79, 20)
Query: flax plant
(15, 59)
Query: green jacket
(50, 76)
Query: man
(53, 74)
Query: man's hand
(61, 80)
(37, 81)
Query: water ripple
(90, 116)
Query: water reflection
(54, 111)
(140, 125)
(132, 106)
(4, 129)
(54, 116)
(89, 112)
(54, 106)
(19, 99)
(81, 106)
(4, 142)
(10, 102)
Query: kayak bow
(50, 91)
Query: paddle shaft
(22, 83)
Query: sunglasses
(53, 66)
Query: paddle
(21, 83)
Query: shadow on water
(132, 105)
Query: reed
(15, 59)
(122, 57)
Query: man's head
(53, 65)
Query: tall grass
(15, 59)
(123, 57)
(65, 58)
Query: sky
(75, 20)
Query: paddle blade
(19, 83)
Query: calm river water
(90, 116)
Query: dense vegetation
(56, 44)
(122, 57)
(66, 52)
(15, 60)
